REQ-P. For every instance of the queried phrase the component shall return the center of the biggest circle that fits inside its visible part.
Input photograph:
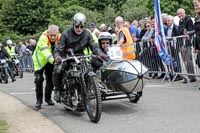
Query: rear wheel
(93, 103)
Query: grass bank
(3, 126)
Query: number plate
(115, 53)
(3, 61)
(17, 61)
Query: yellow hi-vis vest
(87, 50)
(11, 51)
(43, 52)
(127, 47)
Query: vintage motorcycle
(17, 68)
(3, 71)
(116, 79)
(80, 88)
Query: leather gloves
(58, 59)
(103, 56)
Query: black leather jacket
(185, 24)
(4, 54)
(69, 39)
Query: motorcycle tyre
(94, 116)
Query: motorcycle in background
(3, 71)
(17, 68)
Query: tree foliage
(22, 18)
(170, 6)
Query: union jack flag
(160, 39)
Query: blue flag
(160, 39)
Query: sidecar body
(127, 76)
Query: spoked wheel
(93, 103)
(19, 70)
(134, 98)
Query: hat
(92, 25)
(102, 25)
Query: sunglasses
(148, 26)
(79, 26)
(105, 43)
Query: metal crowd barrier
(180, 48)
(27, 63)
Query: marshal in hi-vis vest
(43, 52)
(11, 50)
(127, 47)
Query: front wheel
(5, 77)
(19, 70)
(93, 102)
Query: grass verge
(3, 126)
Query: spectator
(197, 30)
(172, 30)
(94, 30)
(186, 24)
(133, 30)
(22, 48)
(143, 29)
(103, 28)
(124, 39)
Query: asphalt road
(164, 108)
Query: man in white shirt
(94, 30)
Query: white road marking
(153, 85)
(21, 93)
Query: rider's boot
(57, 94)
(38, 105)
(38, 102)
(48, 99)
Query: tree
(25, 17)
(133, 10)
(170, 6)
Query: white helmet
(79, 19)
(9, 42)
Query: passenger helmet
(9, 42)
(104, 36)
(79, 19)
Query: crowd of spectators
(143, 34)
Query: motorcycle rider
(43, 63)
(11, 50)
(5, 55)
(77, 38)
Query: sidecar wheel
(93, 102)
(134, 98)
